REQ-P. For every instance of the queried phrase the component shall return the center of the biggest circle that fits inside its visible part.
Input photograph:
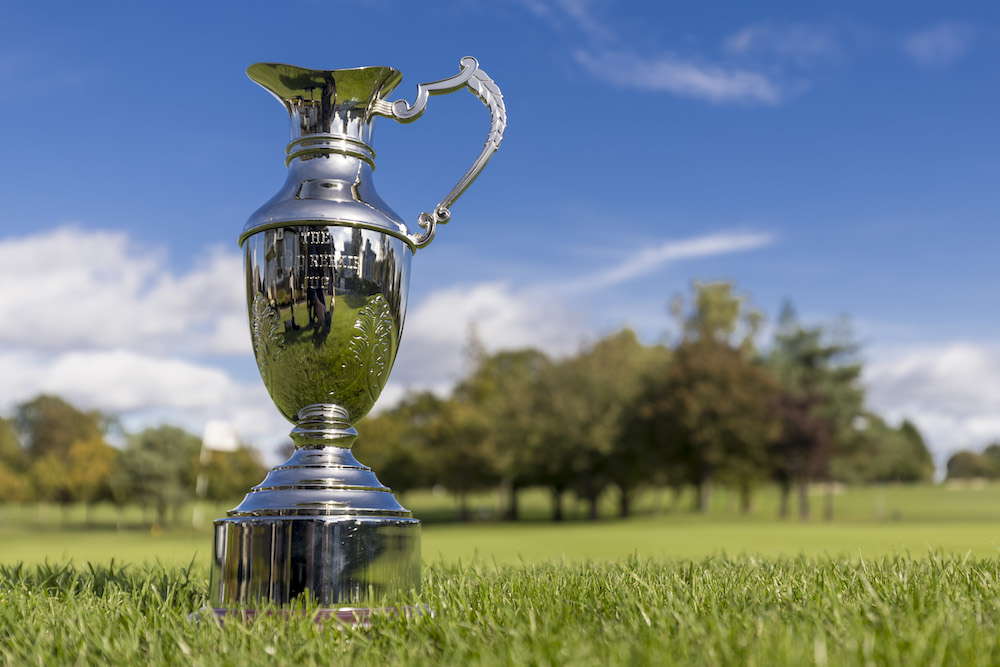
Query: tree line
(53, 452)
(966, 464)
(711, 408)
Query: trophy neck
(315, 146)
(330, 110)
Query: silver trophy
(327, 267)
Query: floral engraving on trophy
(371, 345)
(268, 341)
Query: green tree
(716, 410)
(618, 370)
(457, 458)
(880, 453)
(49, 478)
(510, 390)
(582, 418)
(992, 454)
(968, 465)
(157, 468)
(913, 462)
(713, 407)
(394, 442)
(50, 425)
(819, 373)
(230, 475)
(89, 465)
(11, 452)
(717, 312)
(14, 487)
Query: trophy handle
(477, 81)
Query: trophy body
(327, 271)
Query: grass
(870, 522)
(874, 522)
(895, 611)
(904, 575)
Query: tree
(801, 451)
(230, 475)
(49, 475)
(394, 442)
(878, 453)
(90, 464)
(510, 391)
(820, 377)
(717, 312)
(457, 458)
(50, 425)
(716, 409)
(992, 454)
(11, 453)
(157, 468)
(14, 488)
(902, 455)
(619, 368)
(968, 465)
(712, 408)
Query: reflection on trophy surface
(327, 271)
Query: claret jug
(327, 266)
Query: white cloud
(441, 327)
(683, 77)
(143, 389)
(940, 45)
(951, 391)
(68, 288)
(103, 321)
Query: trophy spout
(337, 102)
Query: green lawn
(933, 610)
(872, 522)
(902, 576)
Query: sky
(841, 157)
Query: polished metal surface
(336, 561)
(326, 308)
(327, 272)
(486, 90)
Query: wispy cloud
(940, 45)
(750, 68)
(647, 259)
(686, 78)
(582, 15)
(803, 43)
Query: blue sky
(840, 156)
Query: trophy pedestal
(321, 526)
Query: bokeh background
(842, 160)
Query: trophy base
(355, 617)
(343, 563)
